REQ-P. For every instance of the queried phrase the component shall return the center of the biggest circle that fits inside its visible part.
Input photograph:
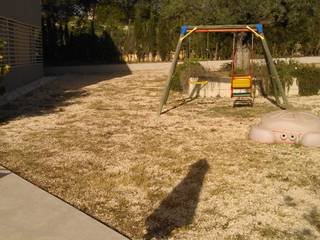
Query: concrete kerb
(29, 212)
(8, 97)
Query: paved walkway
(29, 213)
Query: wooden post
(273, 73)
(167, 87)
(272, 84)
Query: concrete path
(29, 213)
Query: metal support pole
(166, 89)
(273, 73)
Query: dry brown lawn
(97, 142)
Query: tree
(145, 28)
(151, 27)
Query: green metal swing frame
(256, 29)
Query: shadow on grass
(179, 207)
(3, 172)
(180, 104)
(272, 100)
(63, 91)
(313, 217)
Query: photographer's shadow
(179, 207)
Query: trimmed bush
(308, 77)
(286, 71)
(185, 71)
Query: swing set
(241, 83)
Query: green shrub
(308, 77)
(286, 71)
(226, 67)
(184, 71)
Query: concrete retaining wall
(223, 89)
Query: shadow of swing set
(241, 84)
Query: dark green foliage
(145, 29)
(151, 27)
(226, 67)
(286, 74)
(164, 41)
(84, 48)
(308, 79)
(183, 73)
(286, 71)
(307, 76)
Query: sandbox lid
(291, 120)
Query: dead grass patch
(107, 152)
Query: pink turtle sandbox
(291, 127)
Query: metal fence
(23, 43)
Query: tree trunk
(242, 57)
(93, 30)
(216, 51)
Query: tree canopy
(113, 30)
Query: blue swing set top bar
(221, 28)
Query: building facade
(20, 28)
